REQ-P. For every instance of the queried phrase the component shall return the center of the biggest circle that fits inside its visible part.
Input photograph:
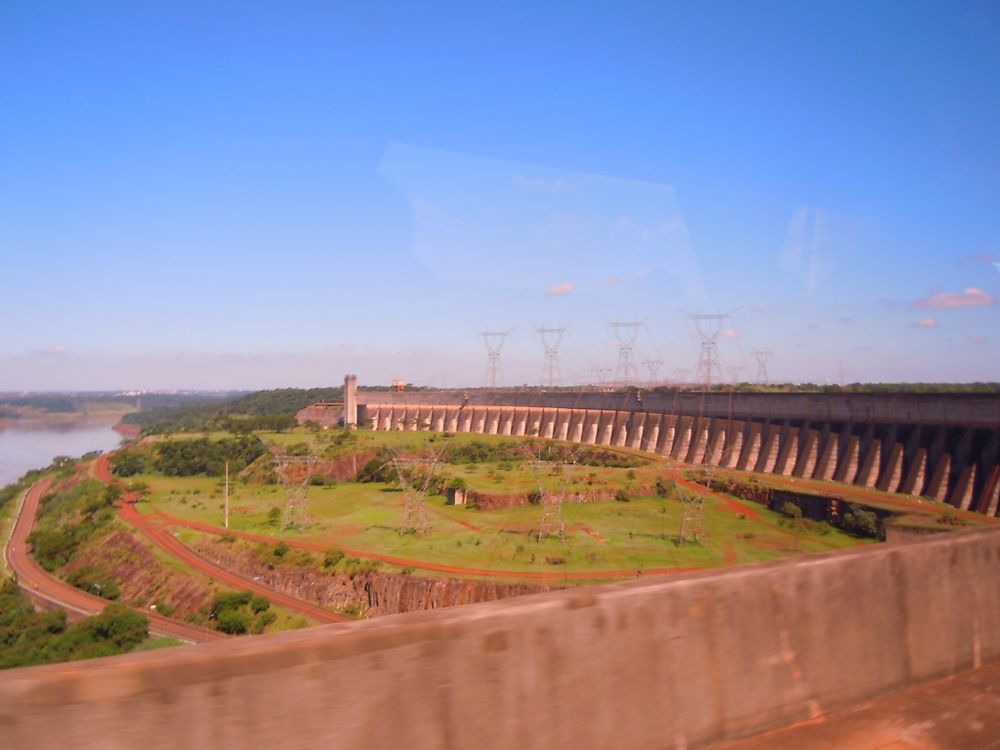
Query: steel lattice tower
(626, 333)
(551, 338)
(762, 357)
(709, 328)
(493, 341)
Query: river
(25, 447)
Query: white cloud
(559, 290)
(925, 323)
(971, 297)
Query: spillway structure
(941, 446)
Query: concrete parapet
(676, 662)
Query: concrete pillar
(507, 420)
(806, 464)
(847, 467)
(682, 444)
(492, 420)
(872, 464)
(717, 441)
(520, 420)
(437, 420)
(451, 419)
(548, 423)
(651, 434)
(733, 448)
(892, 474)
(913, 484)
(534, 425)
(591, 425)
(350, 400)
(937, 488)
(412, 418)
(828, 458)
(748, 461)
(576, 419)
(772, 446)
(395, 417)
(636, 427)
(465, 419)
(621, 428)
(991, 493)
(961, 496)
(789, 452)
(607, 425)
(562, 424)
(696, 453)
(479, 419)
(668, 433)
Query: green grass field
(608, 535)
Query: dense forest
(262, 410)
(28, 637)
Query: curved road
(169, 544)
(39, 583)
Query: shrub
(259, 604)
(791, 510)
(233, 621)
(274, 516)
(332, 557)
(622, 496)
(281, 549)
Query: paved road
(39, 583)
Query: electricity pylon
(551, 338)
(762, 357)
(625, 334)
(493, 341)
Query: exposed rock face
(371, 594)
(141, 578)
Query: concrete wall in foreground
(672, 662)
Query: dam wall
(945, 447)
(675, 662)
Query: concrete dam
(942, 446)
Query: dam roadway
(48, 591)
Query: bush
(233, 621)
(332, 557)
(622, 496)
(259, 604)
(791, 510)
(274, 516)
(281, 549)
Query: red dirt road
(170, 544)
(39, 583)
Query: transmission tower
(552, 523)
(493, 341)
(734, 373)
(601, 373)
(709, 328)
(762, 357)
(296, 513)
(626, 333)
(653, 365)
(415, 512)
(692, 518)
(551, 338)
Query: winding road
(173, 547)
(38, 583)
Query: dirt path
(173, 547)
(38, 583)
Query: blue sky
(258, 195)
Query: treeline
(880, 388)
(262, 410)
(185, 458)
(28, 638)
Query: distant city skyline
(197, 198)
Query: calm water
(22, 449)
